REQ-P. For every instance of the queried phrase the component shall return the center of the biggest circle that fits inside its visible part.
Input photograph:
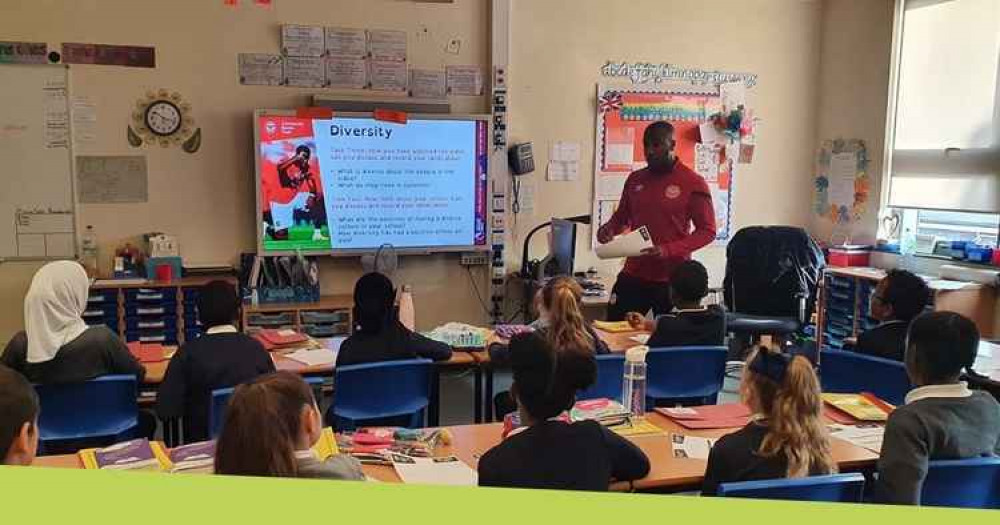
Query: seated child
(560, 321)
(271, 425)
(549, 453)
(690, 323)
(786, 437)
(899, 297)
(379, 335)
(942, 418)
(18, 419)
(221, 358)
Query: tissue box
(163, 246)
(153, 262)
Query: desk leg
(477, 394)
(434, 408)
(488, 398)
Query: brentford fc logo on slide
(673, 192)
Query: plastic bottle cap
(636, 354)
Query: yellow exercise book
(327, 445)
(614, 326)
(637, 427)
(137, 454)
(857, 406)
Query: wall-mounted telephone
(521, 159)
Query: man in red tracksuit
(666, 197)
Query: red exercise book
(146, 353)
(732, 415)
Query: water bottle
(634, 383)
(88, 251)
(406, 314)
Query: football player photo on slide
(293, 212)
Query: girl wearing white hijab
(57, 346)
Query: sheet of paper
(710, 135)
(640, 338)
(629, 245)
(43, 222)
(605, 209)
(434, 471)
(56, 115)
(84, 113)
(565, 151)
(111, 179)
(733, 95)
(946, 285)
(562, 170)
(60, 245)
(346, 73)
(305, 71)
(843, 170)
(318, 357)
(260, 69)
(387, 45)
(428, 83)
(302, 41)
(611, 186)
(465, 80)
(706, 162)
(691, 447)
(387, 75)
(620, 154)
(864, 436)
(346, 42)
(31, 245)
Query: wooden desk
(667, 473)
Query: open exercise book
(448, 470)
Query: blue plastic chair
(220, 400)
(967, 483)
(380, 390)
(850, 372)
(846, 488)
(103, 409)
(692, 374)
(610, 371)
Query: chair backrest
(847, 488)
(685, 371)
(969, 483)
(217, 410)
(844, 371)
(381, 390)
(98, 408)
(220, 400)
(610, 371)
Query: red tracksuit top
(667, 204)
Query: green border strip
(40, 495)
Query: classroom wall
(855, 57)
(559, 46)
(206, 199)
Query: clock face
(163, 118)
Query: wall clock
(164, 118)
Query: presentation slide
(353, 183)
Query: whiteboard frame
(72, 170)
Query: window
(944, 170)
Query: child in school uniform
(898, 298)
(271, 425)
(690, 323)
(56, 345)
(550, 453)
(561, 321)
(786, 437)
(942, 418)
(18, 419)
(221, 358)
(379, 335)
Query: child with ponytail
(270, 428)
(561, 323)
(786, 436)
